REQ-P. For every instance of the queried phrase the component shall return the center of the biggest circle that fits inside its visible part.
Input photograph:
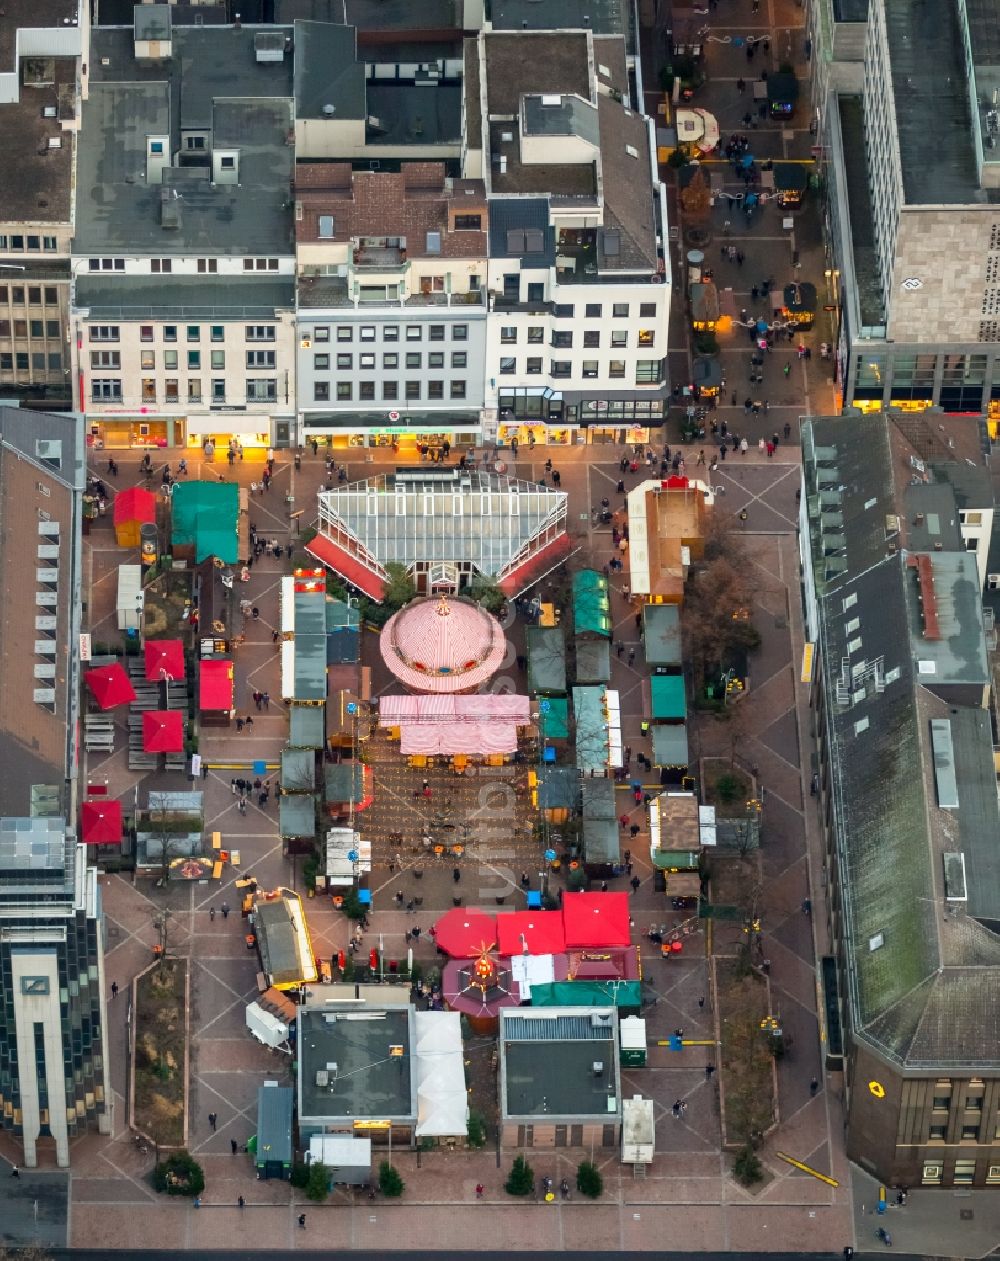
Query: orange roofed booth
(133, 509)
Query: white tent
(442, 1104)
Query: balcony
(379, 254)
(473, 298)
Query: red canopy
(342, 562)
(164, 655)
(463, 934)
(596, 919)
(163, 731)
(134, 504)
(110, 686)
(215, 685)
(101, 822)
(540, 931)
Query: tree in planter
(488, 595)
(711, 619)
(389, 1182)
(696, 198)
(352, 907)
(299, 1177)
(747, 1167)
(522, 1178)
(317, 1186)
(588, 1180)
(476, 1131)
(179, 1174)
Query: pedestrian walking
(114, 989)
(621, 649)
(211, 913)
(266, 698)
(225, 910)
(631, 655)
(813, 1087)
(709, 1070)
(633, 831)
(239, 724)
(255, 613)
(256, 698)
(240, 1201)
(302, 1220)
(479, 1190)
(249, 722)
(635, 882)
(213, 1119)
(15, 1172)
(456, 874)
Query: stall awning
(134, 504)
(477, 725)
(531, 932)
(344, 564)
(596, 919)
(588, 994)
(553, 717)
(164, 657)
(110, 686)
(465, 934)
(307, 726)
(101, 822)
(442, 1098)
(163, 731)
(667, 697)
(215, 685)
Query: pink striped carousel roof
(440, 644)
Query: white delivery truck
(267, 1028)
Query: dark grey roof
(976, 781)
(343, 646)
(911, 992)
(306, 726)
(593, 660)
(413, 113)
(558, 788)
(603, 17)
(930, 90)
(549, 1066)
(276, 938)
(151, 21)
(601, 842)
(226, 91)
(122, 13)
(511, 216)
(404, 15)
(598, 799)
(274, 1123)
(661, 634)
(546, 659)
(327, 71)
(297, 813)
(871, 300)
(560, 115)
(367, 1080)
(193, 297)
(959, 655)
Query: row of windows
(964, 1174)
(258, 390)
(112, 359)
(159, 266)
(390, 332)
(147, 332)
(17, 241)
(563, 340)
(413, 391)
(36, 294)
(567, 310)
(30, 328)
(21, 361)
(390, 360)
(647, 371)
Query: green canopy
(553, 717)
(345, 781)
(591, 603)
(624, 994)
(546, 659)
(204, 515)
(667, 696)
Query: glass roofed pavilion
(450, 527)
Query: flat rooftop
(413, 113)
(29, 128)
(931, 94)
(350, 1066)
(241, 103)
(603, 17)
(564, 1065)
(160, 297)
(858, 199)
(32, 15)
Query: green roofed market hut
(204, 520)
(667, 699)
(591, 603)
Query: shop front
(246, 431)
(616, 420)
(123, 433)
(405, 432)
(535, 416)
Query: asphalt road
(235, 1255)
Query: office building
(913, 234)
(578, 276)
(183, 259)
(901, 694)
(392, 314)
(40, 82)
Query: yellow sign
(877, 1089)
(808, 662)
(814, 1173)
(373, 1125)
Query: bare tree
(696, 198)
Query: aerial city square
(500, 577)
